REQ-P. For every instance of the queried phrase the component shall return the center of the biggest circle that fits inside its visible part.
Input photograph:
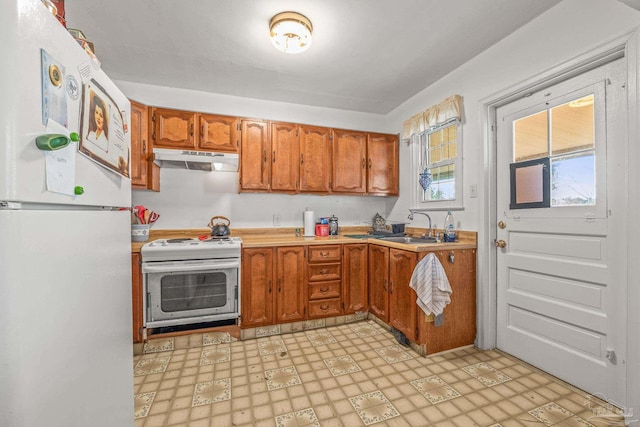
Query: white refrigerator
(66, 356)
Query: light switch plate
(473, 191)
(276, 220)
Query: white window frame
(417, 166)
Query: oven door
(184, 292)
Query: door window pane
(573, 180)
(572, 126)
(531, 137)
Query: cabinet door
(402, 299)
(382, 172)
(349, 152)
(139, 148)
(285, 151)
(354, 278)
(290, 296)
(378, 281)
(136, 297)
(255, 156)
(315, 159)
(174, 128)
(218, 133)
(459, 327)
(257, 287)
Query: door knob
(500, 244)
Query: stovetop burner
(184, 248)
(180, 240)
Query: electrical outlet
(473, 191)
(276, 220)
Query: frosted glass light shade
(290, 32)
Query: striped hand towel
(431, 285)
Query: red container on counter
(322, 229)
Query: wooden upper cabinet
(174, 129)
(315, 159)
(285, 151)
(255, 156)
(140, 149)
(382, 164)
(218, 133)
(349, 151)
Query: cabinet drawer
(324, 272)
(320, 290)
(324, 307)
(324, 253)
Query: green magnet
(55, 141)
(78, 190)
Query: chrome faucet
(410, 217)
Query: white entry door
(561, 241)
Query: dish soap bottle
(449, 228)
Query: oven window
(185, 292)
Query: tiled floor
(349, 375)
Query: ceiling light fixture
(290, 32)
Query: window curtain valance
(447, 111)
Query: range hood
(195, 160)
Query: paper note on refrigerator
(60, 165)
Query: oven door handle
(146, 268)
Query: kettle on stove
(220, 228)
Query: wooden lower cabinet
(394, 302)
(290, 276)
(324, 281)
(355, 278)
(459, 327)
(136, 296)
(390, 297)
(272, 287)
(257, 305)
(294, 283)
(378, 281)
(402, 299)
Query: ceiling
(366, 55)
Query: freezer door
(66, 352)
(27, 27)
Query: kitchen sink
(410, 240)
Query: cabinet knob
(324, 307)
(324, 289)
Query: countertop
(285, 236)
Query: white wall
(565, 31)
(188, 199)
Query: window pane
(443, 184)
(573, 180)
(572, 126)
(530, 137)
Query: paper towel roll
(309, 223)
